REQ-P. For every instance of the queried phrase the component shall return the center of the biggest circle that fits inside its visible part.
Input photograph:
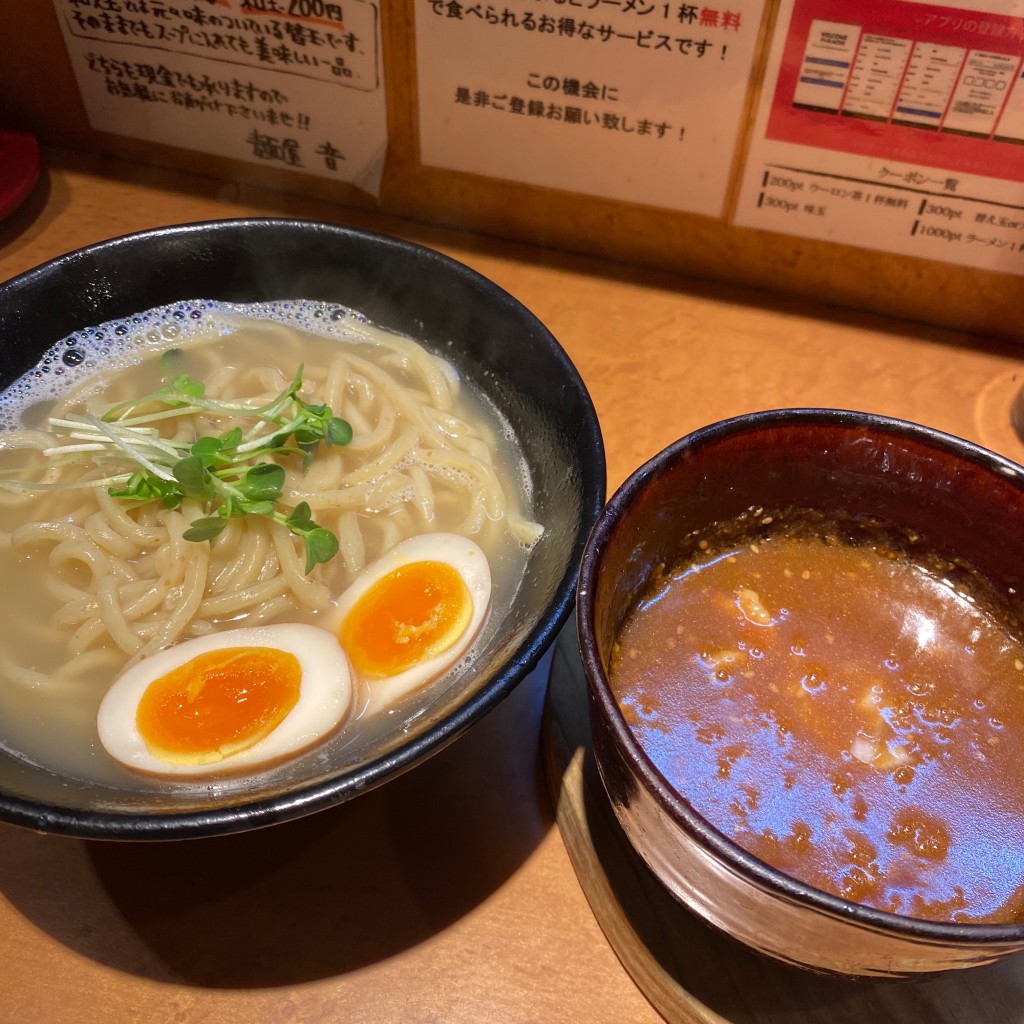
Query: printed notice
(827, 63)
(877, 74)
(293, 84)
(894, 125)
(930, 80)
(640, 102)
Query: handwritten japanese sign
(894, 125)
(634, 100)
(293, 84)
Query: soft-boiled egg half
(410, 615)
(235, 701)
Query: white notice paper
(894, 125)
(627, 99)
(294, 84)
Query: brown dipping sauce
(845, 712)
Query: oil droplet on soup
(844, 714)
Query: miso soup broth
(428, 454)
(847, 713)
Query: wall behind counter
(38, 93)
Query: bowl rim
(347, 783)
(750, 868)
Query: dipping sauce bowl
(961, 499)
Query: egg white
(325, 699)
(468, 560)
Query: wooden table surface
(447, 895)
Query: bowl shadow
(307, 899)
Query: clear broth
(58, 731)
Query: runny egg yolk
(218, 703)
(412, 614)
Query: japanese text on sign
(295, 83)
(564, 93)
(896, 126)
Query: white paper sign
(896, 126)
(625, 99)
(293, 84)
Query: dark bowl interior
(953, 493)
(965, 503)
(493, 341)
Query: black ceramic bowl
(491, 339)
(960, 500)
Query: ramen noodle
(101, 582)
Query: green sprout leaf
(321, 546)
(184, 386)
(207, 450)
(300, 518)
(205, 529)
(141, 487)
(229, 475)
(263, 482)
(194, 478)
(339, 431)
(256, 508)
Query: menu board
(894, 125)
(641, 102)
(293, 84)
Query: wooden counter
(448, 894)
